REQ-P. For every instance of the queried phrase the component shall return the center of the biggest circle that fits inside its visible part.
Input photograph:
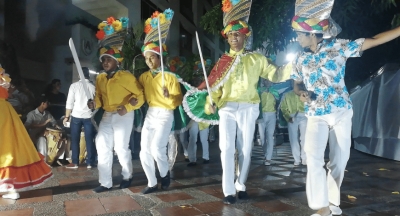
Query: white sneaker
(296, 163)
(267, 163)
(335, 210)
(13, 196)
(89, 167)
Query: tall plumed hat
(111, 36)
(236, 16)
(314, 16)
(151, 41)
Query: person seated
(56, 98)
(36, 123)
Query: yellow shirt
(117, 91)
(241, 85)
(267, 102)
(153, 90)
(291, 104)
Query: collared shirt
(268, 102)
(117, 91)
(241, 85)
(153, 90)
(323, 73)
(34, 117)
(77, 99)
(291, 104)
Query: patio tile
(84, 207)
(19, 212)
(274, 206)
(179, 210)
(174, 197)
(36, 196)
(119, 204)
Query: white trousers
(155, 132)
(266, 129)
(241, 117)
(192, 147)
(184, 142)
(114, 133)
(323, 188)
(299, 125)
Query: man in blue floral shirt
(321, 68)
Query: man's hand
(290, 120)
(91, 104)
(133, 101)
(210, 109)
(304, 96)
(121, 110)
(65, 121)
(165, 92)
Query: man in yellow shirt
(293, 112)
(266, 127)
(115, 89)
(233, 84)
(163, 94)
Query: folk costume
(233, 84)
(292, 107)
(198, 128)
(329, 114)
(21, 166)
(159, 120)
(114, 130)
(267, 124)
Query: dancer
(328, 108)
(293, 112)
(233, 85)
(115, 89)
(163, 95)
(266, 125)
(21, 166)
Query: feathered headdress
(151, 41)
(236, 16)
(111, 35)
(314, 16)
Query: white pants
(241, 117)
(184, 141)
(323, 188)
(299, 124)
(267, 128)
(192, 147)
(114, 133)
(155, 132)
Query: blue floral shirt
(323, 73)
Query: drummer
(36, 122)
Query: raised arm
(381, 38)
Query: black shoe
(125, 183)
(229, 200)
(206, 161)
(192, 164)
(243, 195)
(165, 181)
(100, 189)
(150, 189)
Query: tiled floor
(278, 189)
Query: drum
(82, 149)
(54, 144)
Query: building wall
(37, 31)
